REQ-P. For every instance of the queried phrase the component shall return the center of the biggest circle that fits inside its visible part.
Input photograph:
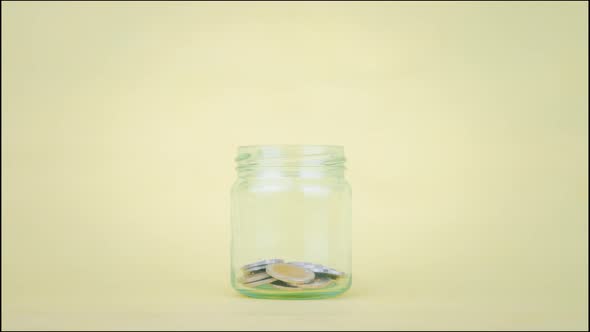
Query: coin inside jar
(285, 286)
(318, 268)
(317, 283)
(253, 277)
(255, 269)
(291, 274)
(261, 263)
(260, 282)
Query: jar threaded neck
(320, 158)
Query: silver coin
(253, 277)
(255, 269)
(289, 273)
(317, 283)
(318, 268)
(260, 282)
(326, 275)
(263, 262)
(285, 286)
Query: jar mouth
(292, 148)
(288, 155)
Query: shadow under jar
(291, 222)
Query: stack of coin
(255, 273)
(292, 276)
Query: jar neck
(301, 161)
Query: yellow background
(465, 125)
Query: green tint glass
(291, 222)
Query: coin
(317, 283)
(260, 282)
(290, 273)
(318, 268)
(254, 269)
(285, 286)
(263, 262)
(326, 275)
(253, 277)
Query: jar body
(297, 214)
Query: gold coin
(290, 273)
(318, 268)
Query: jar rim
(290, 146)
(290, 155)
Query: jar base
(290, 296)
(267, 292)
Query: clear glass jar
(291, 222)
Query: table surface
(394, 297)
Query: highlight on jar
(298, 277)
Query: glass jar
(291, 222)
